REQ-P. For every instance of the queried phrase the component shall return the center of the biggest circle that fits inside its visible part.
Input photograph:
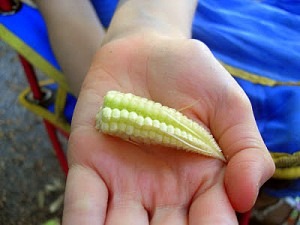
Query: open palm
(111, 181)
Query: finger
(212, 207)
(249, 162)
(85, 198)
(126, 212)
(245, 174)
(170, 215)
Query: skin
(75, 34)
(111, 181)
(148, 51)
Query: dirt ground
(31, 182)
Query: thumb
(245, 174)
(249, 162)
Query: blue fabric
(29, 26)
(292, 6)
(277, 112)
(70, 103)
(105, 10)
(264, 40)
(250, 35)
(290, 190)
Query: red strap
(5, 5)
(32, 79)
(245, 218)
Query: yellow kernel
(163, 127)
(156, 108)
(184, 134)
(148, 123)
(132, 116)
(137, 133)
(106, 114)
(122, 127)
(158, 138)
(124, 114)
(164, 115)
(152, 134)
(166, 140)
(179, 144)
(115, 113)
(105, 127)
(126, 100)
(140, 121)
(113, 127)
(173, 141)
(170, 130)
(148, 106)
(156, 123)
(190, 137)
(177, 131)
(129, 130)
(144, 134)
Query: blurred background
(31, 181)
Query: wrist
(163, 17)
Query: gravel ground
(30, 177)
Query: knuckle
(238, 98)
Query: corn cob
(144, 121)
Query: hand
(112, 181)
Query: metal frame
(9, 7)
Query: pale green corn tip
(147, 122)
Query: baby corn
(147, 122)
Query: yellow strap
(32, 56)
(257, 79)
(286, 160)
(287, 165)
(60, 102)
(43, 112)
(287, 173)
